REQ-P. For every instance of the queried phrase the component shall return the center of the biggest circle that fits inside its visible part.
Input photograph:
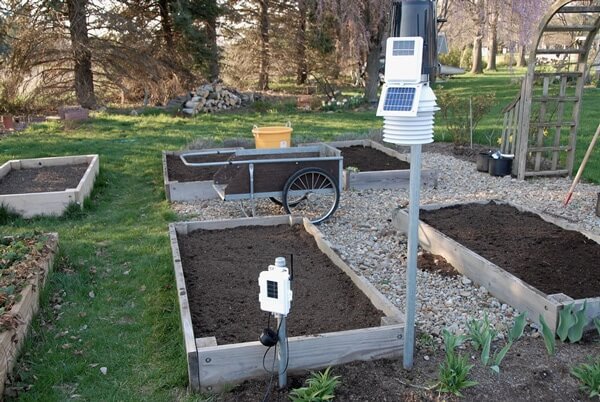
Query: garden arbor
(540, 125)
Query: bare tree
(82, 55)
(494, 13)
(301, 63)
(363, 26)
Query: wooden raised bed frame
(52, 202)
(384, 179)
(212, 366)
(191, 190)
(12, 340)
(500, 283)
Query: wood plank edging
(184, 312)
(11, 340)
(222, 366)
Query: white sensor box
(275, 294)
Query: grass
(111, 300)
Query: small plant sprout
(589, 376)
(454, 371)
(320, 387)
(549, 336)
(515, 333)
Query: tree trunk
(263, 75)
(373, 57)
(493, 44)
(301, 64)
(477, 66)
(84, 78)
(211, 34)
(372, 74)
(165, 22)
(522, 59)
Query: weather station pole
(413, 249)
(407, 105)
(282, 352)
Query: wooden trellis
(540, 125)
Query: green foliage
(451, 341)
(597, 324)
(452, 58)
(454, 371)
(480, 332)
(549, 336)
(571, 323)
(517, 330)
(589, 375)
(455, 111)
(454, 374)
(14, 248)
(513, 334)
(320, 387)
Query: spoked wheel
(277, 201)
(311, 193)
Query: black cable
(268, 391)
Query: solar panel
(403, 48)
(399, 99)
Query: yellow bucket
(273, 137)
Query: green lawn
(111, 301)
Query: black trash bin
(483, 161)
(500, 167)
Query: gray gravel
(362, 232)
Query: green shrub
(589, 375)
(455, 113)
(452, 58)
(320, 387)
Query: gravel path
(363, 235)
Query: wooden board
(53, 202)
(12, 340)
(221, 366)
(383, 179)
(500, 283)
(210, 367)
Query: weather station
(407, 105)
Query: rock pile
(210, 98)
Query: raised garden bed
(47, 186)
(536, 263)
(336, 316)
(21, 282)
(368, 164)
(186, 183)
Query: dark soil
(221, 269)
(526, 374)
(43, 179)
(435, 263)
(182, 173)
(540, 253)
(367, 159)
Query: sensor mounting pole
(282, 352)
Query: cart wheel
(312, 193)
